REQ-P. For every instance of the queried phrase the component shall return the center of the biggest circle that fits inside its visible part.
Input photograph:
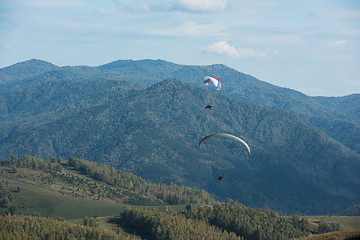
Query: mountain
(154, 133)
(351, 211)
(337, 117)
(327, 114)
(348, 105)
(26, 69)
(38, 99)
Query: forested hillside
(32, 227)
(348, 105)
(109, 117)
(327, 114)
(25, 181)
(235, 220)
(23, 70)
(96, 182)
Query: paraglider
(209, 107)
(217, 84)
(226, 135)
(215, 81)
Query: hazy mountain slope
(146, 72)
(155, 133)
(349, 105)
(55, 94)
(342, 125)
(76, 73)
(338, 117)
(351, 211)
(25, 69)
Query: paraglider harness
(220, 178)
(209, 107)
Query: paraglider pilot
(209, 107)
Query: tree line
(117, 183)
(171, 194)
(169, 224)
(14, 227)
(230, 220)
(249, 223)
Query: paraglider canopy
(226, 135)
(215, 81)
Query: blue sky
(312, 46)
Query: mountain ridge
(245, 88)
(155, 133)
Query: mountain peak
(25, 69)
(35, 63)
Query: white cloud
(200, 5)
(224, 48)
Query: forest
(198, 216)
(14, 227)
(121, 186)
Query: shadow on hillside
(121, 223)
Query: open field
(340, 235)
(33, 199)
(48, 201)
(346, 222)
(45, 201)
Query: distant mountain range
(147, 117)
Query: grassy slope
(44, 198)
(34, 198)
(340, 235)
(349, 224)
(42, 194)
(346, 222)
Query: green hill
(30, 227)
(71, 188)
(155, 132)
(19, 71)
(83, 192)
(348, 105)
